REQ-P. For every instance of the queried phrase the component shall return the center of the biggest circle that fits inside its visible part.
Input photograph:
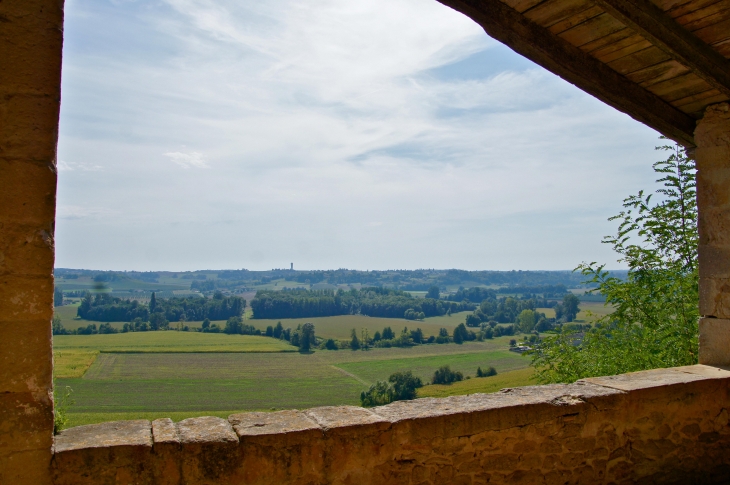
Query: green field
(181, 374)
(339, 327)
(515, 378)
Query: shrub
(404, 385)
(379, 394)
(444, 375)
(491, 371)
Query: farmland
(173, 375)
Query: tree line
(102, 307)
(374, 302)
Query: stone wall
(659, 426)
(31, 36)
(713, 199)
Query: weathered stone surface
(332, 417)
(206, 429)
(210, 451)
(26, 298)
(660, 426)
(713, 199)
(164, 432)
(105, 435)
(25, 357)
(107, 453)
(714, 341)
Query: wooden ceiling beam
(664, 32)
(558, 56)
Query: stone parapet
(659, 426)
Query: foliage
(62, 401)
(400, 386)
(491, 371)
(57, 296)
(444, 375)
(102, 307)
(404, 385)
(654, 322)
(306, 337)
(354, 341)
(378, 394)
(433, 292)
(235, 325)
(374, 302)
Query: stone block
(118, 452)
(26, 421)
(26, 363)
(714, 297)
(30, 46)
(29, 127)
(209, 450)
(476, 413)
(714, 128)
(356, 441)
(167, 453)
(280, 447)
(26, 467)
(27, 194)
(715, 260)
(284, 426)
(164, 432)
(26, 298)
(714, 341)
(26, 250)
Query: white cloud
(64, 166)
(187, 160)
(337, 138)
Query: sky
(386, 134)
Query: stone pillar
(712, 137)
(31, 37)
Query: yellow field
(589, 311)
(72, 363)
(515, 378)
(170, 341)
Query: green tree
(654, 321)
(57, 326)
(444, 375)
(330, 344)
(570, 307)
(434, 293)
(234, 325)
(378, 394)
(460, 333)
(306, 337)
(404, 385)
(526, 320)
(57, 296)
(354, 341)
(153, 303)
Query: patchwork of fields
(132, 378)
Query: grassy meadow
(184, 374)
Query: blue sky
(370, 135)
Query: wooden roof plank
(657, 73)
(676, 11)
(522, 5)
(592, 29)
(577, 67)
(696, 108)
(704, 17)
(620, 49)
(574, 20)
(679, 87)
(663, 32)
(642, 59)
(682, 103)
(607, 40)
(714, 33)
(551, 12)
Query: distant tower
(292, 267)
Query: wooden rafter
(557, 55)
(664, 32)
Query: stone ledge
(659, 425)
